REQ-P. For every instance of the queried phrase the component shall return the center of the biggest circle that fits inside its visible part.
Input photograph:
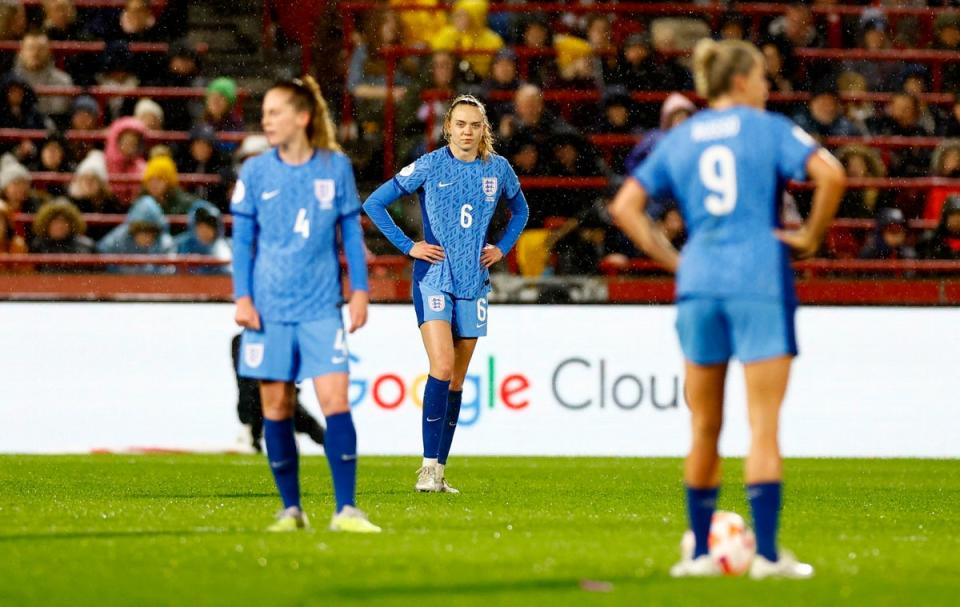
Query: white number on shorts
(302, 225)
(340, 345)
(466, 219)
(718, 172)
(482, 310)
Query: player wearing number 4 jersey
(727, 166)
(288, 206)
(459, 187)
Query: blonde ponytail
(305, 96)
(716, 63)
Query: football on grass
(732, 544)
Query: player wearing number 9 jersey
(289, 205)
(727, 167)
(459, 186)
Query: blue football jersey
(727, 170)
(457, 202)
(296, 268)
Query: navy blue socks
(700, 506)
(284, 459)
(765, 500)
(434, 410)
(449, 425)
(341, 450)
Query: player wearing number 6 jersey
(727, 166)
(459, 187)
(288, 207)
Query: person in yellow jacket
(419, 26)
(467, 31)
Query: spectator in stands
(18, 110)
(944, 241)
(639, 67)
(859, 113)
(117, 72)
(572, 156)
(951, 125)
(733, 27)
(367, 74)
(947, 38)
(823, 114)
(794, 29)
(220, 107)
(880, 75)
(13, 20)
(35, 65)
(52, 158)
(605, 64)
(777, 80)
(89, 189)
(530, 119)
(84, 116)
(181, 69)
(914, 80)
(143, 232)
(535, 34)
(576, 64)
(149, 113)
(503, 77)
(60, 20)
(135, 23)
(420, 26)
(15, 186)
(203, 156)
(860, 162)
(162, 183)
(889, 240)
(675, 109)
(59, 229)
(10, 241)
(468, 31)
(204, 236)
(619, 117)
(125, 153)
(527, 161)
(902, 119)
(944, 163)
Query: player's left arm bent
(628, 212)
(519, 212)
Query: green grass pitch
(187, 530)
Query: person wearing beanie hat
(150, 114)
(161, 181)
(89, 190)
(204, 236)
(15, 186)
(221, 105)
(201, 154)
(889, 240)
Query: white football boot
(427, 481)
(788, 567)
(702, 566)
(441, 480)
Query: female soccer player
(459, 186)
(735, 297)
(288, 205)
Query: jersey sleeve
(349, 200)
(244, 199)
(653, 173)
(511, 183)
(795, 147)
(412, 176)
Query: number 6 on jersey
(718, 172)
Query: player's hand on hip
(803, 242)
(427, 252)
(246, 314)
(491, 254)
(359, 302)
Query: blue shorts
(294, 351)
(714, 330)
(467, 317)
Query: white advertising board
(557, 380)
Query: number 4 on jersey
(302, 225)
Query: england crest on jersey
(436, 303)
(489, 187)
(324, 190)
(253, 355)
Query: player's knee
(442, 370)
(706, 428)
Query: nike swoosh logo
(348, 458)
(269, 195)
(338, 359)
(443, 185)
(434, 420)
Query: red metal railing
(68, 47)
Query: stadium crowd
(520, 62)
